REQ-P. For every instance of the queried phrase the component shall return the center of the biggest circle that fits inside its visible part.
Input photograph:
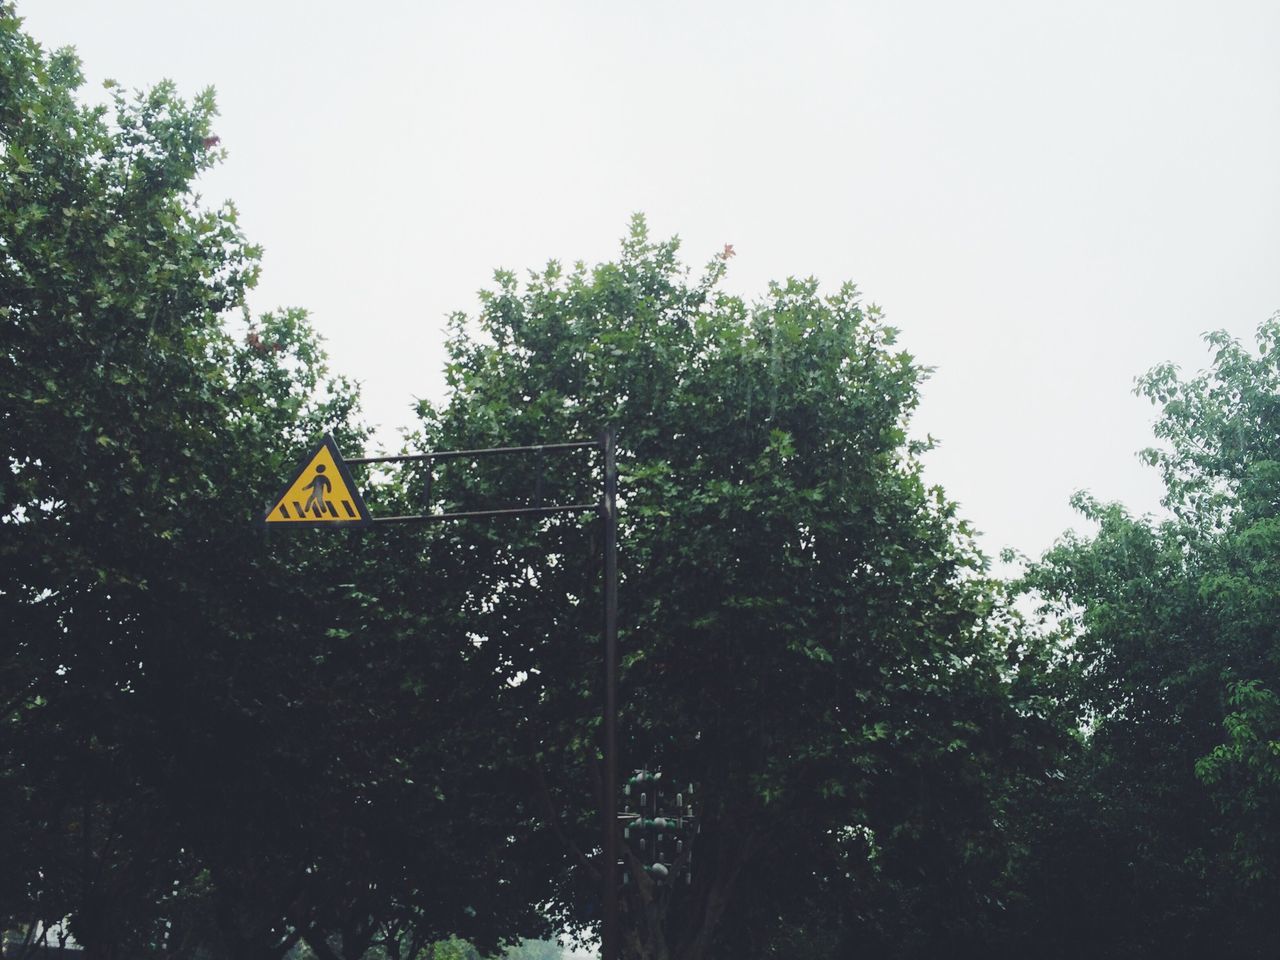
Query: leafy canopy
(807, 631)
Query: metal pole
(609, 518)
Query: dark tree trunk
(646, 935)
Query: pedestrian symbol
(321, 492)
(318, 487)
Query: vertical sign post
(609, 517)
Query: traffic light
(659, 833)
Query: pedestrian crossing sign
(322, 492)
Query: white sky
(1048, 198)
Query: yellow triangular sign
(322, 492)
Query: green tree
(111, 284)
(1172, 625)
(534, 950)
(808, 632)
(212, 742)
(1221, 466)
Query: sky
(1047, 199)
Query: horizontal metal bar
(483, 452)
(477, 514)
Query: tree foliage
(1162, 835)
(808, 631)
(212, 741)
(218, 743)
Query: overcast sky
(1047, 198)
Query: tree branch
(552, 814)
(728, 867)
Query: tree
(110, 286)
(1221, 468)
(808, 631)
(1172, 626)
(211, 743)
